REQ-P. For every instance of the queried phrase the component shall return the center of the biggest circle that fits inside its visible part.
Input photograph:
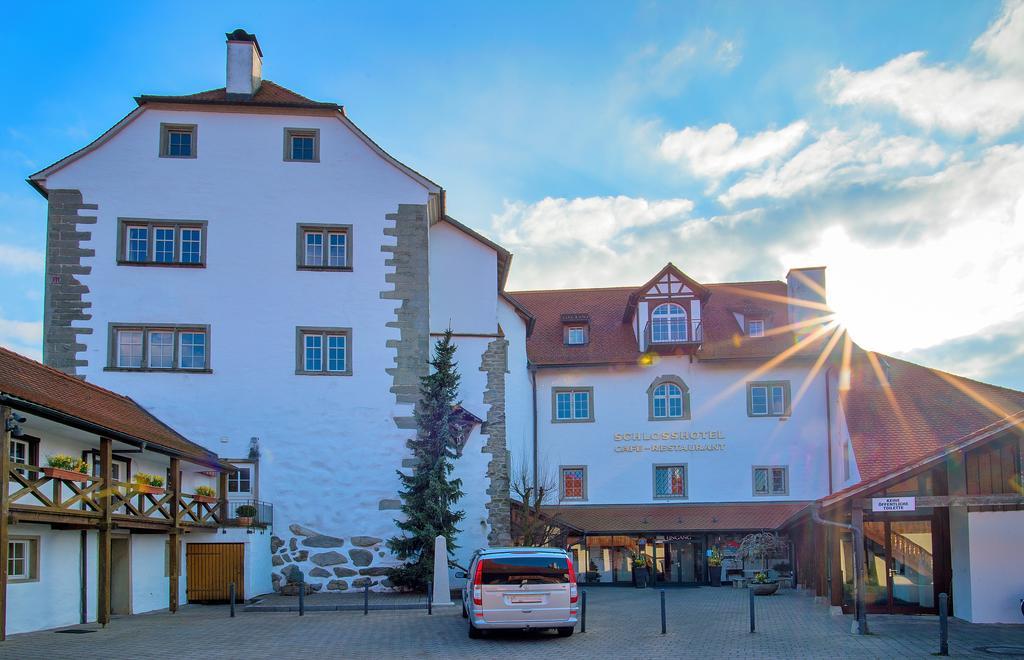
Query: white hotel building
(676, 416)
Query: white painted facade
(616, 475)
(330, 446)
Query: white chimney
(806, 284)
(245, 64)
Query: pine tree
(429, 494)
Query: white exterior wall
(518, 390)
(54, 599)
(463, 282)
(620, 406)
(329, 445)
(997, 585)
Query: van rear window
(528, 570)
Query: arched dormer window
(668, 397)
(668, 323)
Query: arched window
(668, 323)
(668, 398)
(668, 401)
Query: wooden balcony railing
(35, 496)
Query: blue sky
(600, 140)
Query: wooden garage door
(210, 568)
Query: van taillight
(478, 584)
(573, 592)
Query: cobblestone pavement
(622, 623)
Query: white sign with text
(893, 503)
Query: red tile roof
(22, 379)
(269, 94)
(899, 412)
(688, 517)
(612, 340)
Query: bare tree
(531, 525)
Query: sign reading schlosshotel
(639, 441)
(673, 435)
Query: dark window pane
(531, 570)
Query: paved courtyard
(702, 622)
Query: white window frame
(235, 479)
(573, 393)
(174, 243)
(574, 332)
(777, 402)
(755, 327)
(29, 551)
(149, 338)
(146, 331)
(676, 312)
(150, 227)
(18, 442)
(325, 335)
(769, 471)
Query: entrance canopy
(696, 517)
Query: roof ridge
(65, 376)
(947, 373)
(595, 288)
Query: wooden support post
(103, 588)
(223, 493)
(859, 568)
(5, 478)
(174, 538)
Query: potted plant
(205, 494)
(641, 571)
(245, 513)
(715, 567)
(149, 484)
(62, 466)
(762, 586)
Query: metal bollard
(430, 597)
(943, 624)
(583, 614)
(663, 612)
(366, 599)
(750, 592)
(231, 598)
(302, 597)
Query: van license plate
(526, 599)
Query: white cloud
(717, 151)
(593, 222)
(667, 70)
(984, 97)
(962, 275)
(19, 259)
(838, 158)
(25, 337)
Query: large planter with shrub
(245, 515)
(764, 588)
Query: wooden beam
(859, 566)
(223, 493)
(933, 501)
(103, 590)
(174, 538)
(5, 477)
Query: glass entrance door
(679, 562)
(900, 575)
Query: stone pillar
(442, 590)
(495, 364)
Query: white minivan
(520, 588)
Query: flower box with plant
(246, 513)
(69, 468)
(149, 484)
(205, 494)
